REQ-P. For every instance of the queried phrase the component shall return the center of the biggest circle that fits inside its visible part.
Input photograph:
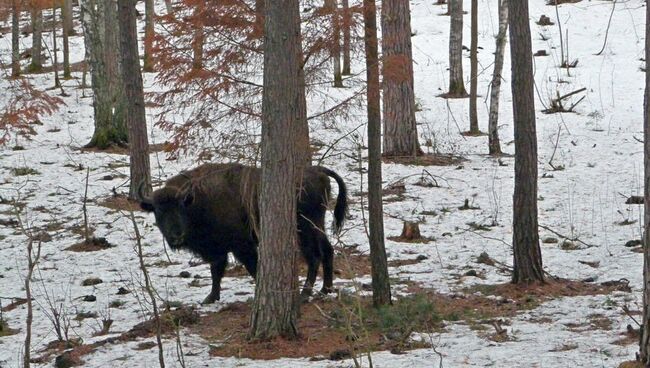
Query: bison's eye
(188, 199)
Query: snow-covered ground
(599, 147)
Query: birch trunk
(493, 128)
(473, 86)
(456, 83)
(644, 354)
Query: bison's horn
(141, 196)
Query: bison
(212, 210)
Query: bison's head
(169, 206)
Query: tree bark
(644, 354)
(67, 30)
(347, 24)
(68, 24)
(335, 51)
(400, 130)
(473, 86)
(169, 7)
(149, 13)
(527, 255)
(101, 38)
(135, 110)
(55, 58)
(379, 264)
(456, 83)
(493, 128)
(15, 38)
(197, 42)
(276, 304)
(37, 41)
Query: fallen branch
(573, 239)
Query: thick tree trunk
(644, 354)
(400, 130)
(527, 255)
(379, 264)
(473, 86)
(67, 30)
(276, 305)
(15, 38)
(101, 38)
(197, 42)
(347, 24)
(456, 83)
(493, 128)
(149, 13)
(135, 111)
(37, 41)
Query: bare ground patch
(124, 150)
(120, 202)
(428, 159)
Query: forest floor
(454, 306)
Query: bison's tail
(341, 208)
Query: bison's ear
(188, 199)
(146, 206)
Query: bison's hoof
(211, 298)
(327, 290)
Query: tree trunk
(67, 30)
(473, 86)
(644, 354)
(347, 24)
(68, 24)
(197, 42)
(335, 50)
(135, 111)
(259, 17)
(456, 83)
(55, 61)
(527, 255)
(493, 129)
(101, 38)
(15, 38)
(37, 41)
(149, 13)
(276, 304)
(169, 7)
(379, 263)
(400, 130)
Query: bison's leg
(217, 269)
(311, 252)
(247, 255)
(328, 264)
